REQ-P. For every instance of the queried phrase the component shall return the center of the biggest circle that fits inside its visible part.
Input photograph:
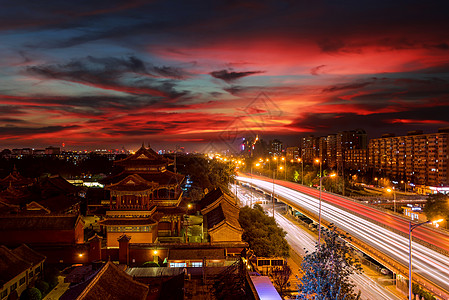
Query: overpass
(378, 233)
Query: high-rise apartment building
(418, 158)
(292, 153)
(348, 140)
(309, 148)
(331, 150)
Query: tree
(281, 277)
(437, 207)
(42, 286)
(31, 294)
(327, 270)
(262, 233)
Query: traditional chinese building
(145, 199)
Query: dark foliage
(262, 233)
(31, 294)
(437, 207)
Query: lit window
(177, 265)
(196, 264)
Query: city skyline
(113, 74)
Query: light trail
(426, 262)
(301, 241)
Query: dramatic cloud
(227, 76)
(108, 72)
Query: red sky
(107, 75)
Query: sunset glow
(105, 73)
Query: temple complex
(145, 199)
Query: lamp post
(410, 229)
(394, 198)
(319, 210)
(302, 170)
(272, 194)
(252, 197)
(285, 167)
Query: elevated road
(385, 232)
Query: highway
(302, 241)
(426, 262)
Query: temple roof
(11, 265)
(220, 208)
(211, 199)
(223, 213)
(109, 283)
(15, 179)
(163, 179)
(29, 254)
(128, 221)
(57, 184)
(144, 157)
(38, 222)
(132, 182)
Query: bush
(43, 286)
(31, 294)
(150, 264)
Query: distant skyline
(107, 74)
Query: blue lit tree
(326, 271)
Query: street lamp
(410, 229)
(272, 195)
(285, 167)
(319, 210)
(394, 198)
(302, 170)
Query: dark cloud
(375, 124)
(342, 87)
(315, 71)
(15, 131)
(112, 73)
(227, 76)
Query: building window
(13, 287)
(4, 294)
(22, 280)
(177, 265)
(196, 264)
(30, 274)
(38, 269)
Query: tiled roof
(210, 197)
(128, 221)
(132, 182)
(60, 203)
(59, 183)
(15, 179)
(113, 283)
(154, 272)
(40, 222)
(11, 265)
(29, 254)
(14, 262)
(166, 178)
(144, 156)
(189, 254)
(223, 212)
(214, 197)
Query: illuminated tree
(327, 270)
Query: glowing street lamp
(302, 170)
(394, 198)
(319, 210)
(410, 229)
